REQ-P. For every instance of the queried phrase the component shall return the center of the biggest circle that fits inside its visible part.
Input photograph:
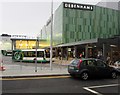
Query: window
(91, 63)
(84, 63)
(40, 54)
(100, 64)
(75, 62)
(33, 54)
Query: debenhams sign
(78, 6)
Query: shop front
(90, 49)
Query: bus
(29, 55)
(6, 52)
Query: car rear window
(75, 62)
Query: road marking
(103, 86)
(29, 78)
(90, 90)
(100, 86)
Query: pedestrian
(59, 55)
(108, 60)
(81, 55)
(100, 56)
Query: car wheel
(114, 75)
(84, 75)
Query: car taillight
(78, 66)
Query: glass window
(74, 62)
(84, 63)
(100, 64)
(29, 54)
(33, 54)
(40, 54)
(90, 63)
(47, 52)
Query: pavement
(20, 69)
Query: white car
(116, 65)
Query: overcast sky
(27, 17)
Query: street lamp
(51, 42)
(36, 54)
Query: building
(13, 42)
(86, 29)
(109, 4)
(5, 42)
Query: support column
(13, 44)
(67, 53)
(86, 51)
(12, 47)
(62, 53)
(56, 53)
(75, 52)
(104, 52)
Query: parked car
(86, 68)
(116, 65)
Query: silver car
(116, 65)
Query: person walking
(81, 56)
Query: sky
(27, 17)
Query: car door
(102, 68)
(91, 67)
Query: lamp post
(36, 54)
(51, 42)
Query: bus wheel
(17, 56)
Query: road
(60, 84)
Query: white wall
(5, 43)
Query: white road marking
(95, 92)
(103, 86)
(100, 86)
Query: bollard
(2, 68)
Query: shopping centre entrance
(90, 49)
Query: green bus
(6, 52)
(30, 55)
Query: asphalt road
(60, 84)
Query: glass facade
(30, 44)
(58, 26)
(72, 25)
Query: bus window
(47, 53)
(29, 53)
(40, 54)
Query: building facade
(108, 4)
(5, 42)
(86, 29)
(12, 42)
(75, 24)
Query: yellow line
(29, 78)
